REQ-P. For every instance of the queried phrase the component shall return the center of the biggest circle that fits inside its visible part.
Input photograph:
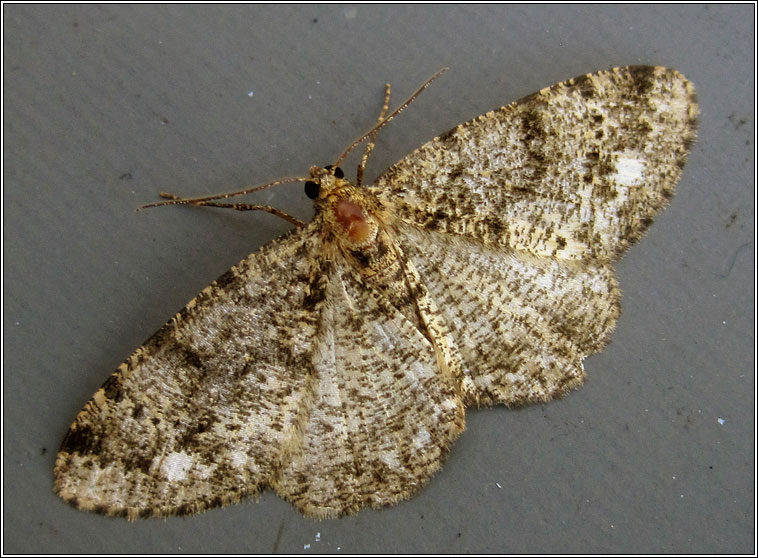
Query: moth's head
(349, 212)
(324, 181)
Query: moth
(334, 365)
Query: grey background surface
(104, 106)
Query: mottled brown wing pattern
(316, 385)
(521, 324)
(384, 415)
(205, 411)
(334, 364)
(575, 171)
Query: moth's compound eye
(337, 172)
(312, 189)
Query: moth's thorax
(350, 213)
(354, 221)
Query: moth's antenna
(174, 200)
(394, 113)
(208, 200)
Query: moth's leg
(238, 207)
(370, 144)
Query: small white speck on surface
(721, 421)
(306, 546)
(351, 12)
(498, 485)
(318, 536)
(250, 93)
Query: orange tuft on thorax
(351, 216)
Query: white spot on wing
(391, 460)
(175, 466)
(238, 459)
(628, 170)
(422, 439)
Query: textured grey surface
(106, 105)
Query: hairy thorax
(363, 233)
